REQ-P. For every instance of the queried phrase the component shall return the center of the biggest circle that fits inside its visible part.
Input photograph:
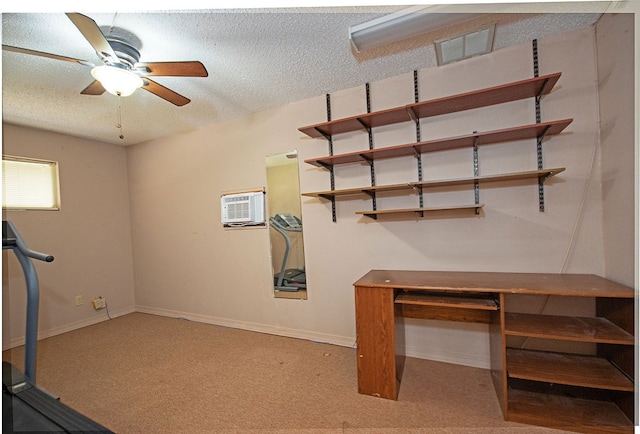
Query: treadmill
(288, 279)
(26, 407)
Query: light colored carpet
(142, 373)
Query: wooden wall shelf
(420, 211)
(415, 186)
(528, 88)
(532, 131)
(533, 87)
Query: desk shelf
(446, 306)
(560, 412)
(578, 329)
(568, 369)
(446, 300)
(599, 387)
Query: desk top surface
(588, 285)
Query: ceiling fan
(121, 73)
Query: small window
(29, 184)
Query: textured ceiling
(256, 59)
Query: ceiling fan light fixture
(117, 81)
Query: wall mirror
(285, 226)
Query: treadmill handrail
(23, 254)
(20, 244)
(287, 248)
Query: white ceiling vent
(466, 45)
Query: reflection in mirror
(285, 226)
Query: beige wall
(90, 237)
(187, 265)
(615, 42)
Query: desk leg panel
(498, 352)
(375, 335)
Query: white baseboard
(344, 341)
(455, 358)
(418, 352)
(255, 327)
(42, 334)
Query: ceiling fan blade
(48, 55)
(173, 69)
(164, 92)
(93, 34)
(94, 88)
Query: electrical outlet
(78, 300)
(99, 303)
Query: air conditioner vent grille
(243, 208)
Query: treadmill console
(288, 221)
(8, 237)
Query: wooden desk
(526, 382)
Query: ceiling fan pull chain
(119, 125)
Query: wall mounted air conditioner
(242, 209)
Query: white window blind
(29, 184)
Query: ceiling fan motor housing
(127, 54)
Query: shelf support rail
(372, 170)
(476, 173)
(416, 99)
(543, 178)
(330, 168)
(538, 98)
